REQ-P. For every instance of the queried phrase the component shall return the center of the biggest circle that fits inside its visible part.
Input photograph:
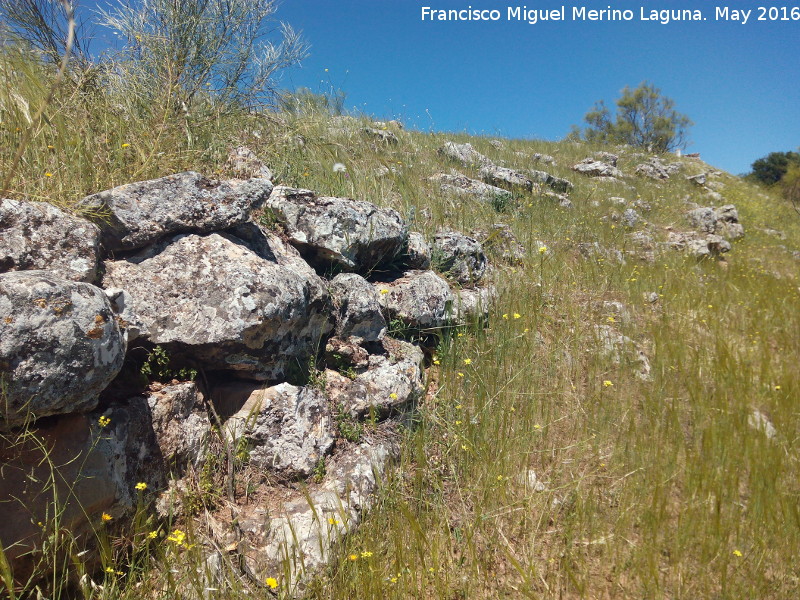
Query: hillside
(623, 424)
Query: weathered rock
(495, 175)
(699, 179)
(93, 469)
(215, 302)
(418, 252)
(37, 235)
(60, 345)
(631, 218)
(245, 164)
(460, 185)
(654, 169)
(595, 168)
(460, 256)
(144, 212)
(496, 144)
(464, 153)
(389, 382)
(472, 305)
(344, 353)
(698, 245)
(760, 422)
(597, 251)
(180, 423)
(530, 481)
(300, 533)
(556, 183)
(288, 429)
(617, 348)
(419, 299)
(606, 157)
(545, 158)
(723, 221)
(642, 246)
(338, 232)
(394, 123)
(357, 308)
(501, 241)
(382, 135)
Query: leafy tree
(770, 169)
(644, 118)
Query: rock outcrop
(459, 256)
(420, 299)
(459, 185)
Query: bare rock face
(60, 345)
(37, 235)
(460, 185)
(351, 235)
(180, 423)
(418, 252)
(497, 175)
(472, 305)
(357, 308)
(287, 428)
(420, 299)
(246, 164)
(144, 212)
(723, 221)
(607, 157)
(557, 183)
(460, 256)
(388, 383)
(306, 528)
(699, 245)
(653, 169)
(216, 302)
(465, 154)
(596, 168)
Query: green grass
(655, 489)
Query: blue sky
(739, 83)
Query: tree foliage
(772, 168)
(644, 118)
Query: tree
(772, 168)
(644, 118)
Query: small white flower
(339, 168)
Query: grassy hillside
(659, 488)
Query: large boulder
(37, 235)
(460, 185)
(357, 308)
(141, 213)
(288, 429)
(472, 305)
(339, 233)
(60, 345)
(420, 299)
(216, 303)
(460, 256)
(418, 252)
(723, 221)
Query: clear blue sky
(739, 83)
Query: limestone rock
(144, 212)
(653, 169)
(418, 252)
(381, 135)
(471, 305)
(180, 423)
(245, 164)
(460, 256)
(287, 428)
(389, 382)
(556, 183)
(459, 185)
(618, 348)
(760, 422)
(37, 235)
(338, 232)
(545, 158)
(631, 218)
(419, 299)
(464, 153)
(357, 308)
(497, 175)
(60, 345)
(606, 157)
(723, 221)
(596, 168)
(699, 179)
(698, 245)
(215, 302)
(501, 242)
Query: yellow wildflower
(177, 537)
(48, 174)
(505, 316)
(737, 553)
(103, 421)
(272, 582)
(517, 316)
(607, 383)
(393, 396)
(141, 486)
(106, 517)
(152, 535)
(333, 521)
(384, 292)
(125, 145)
(353, 557)
(366, 554)
(542, 249)
(460, 374)
(467, 361)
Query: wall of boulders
(196, 312)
